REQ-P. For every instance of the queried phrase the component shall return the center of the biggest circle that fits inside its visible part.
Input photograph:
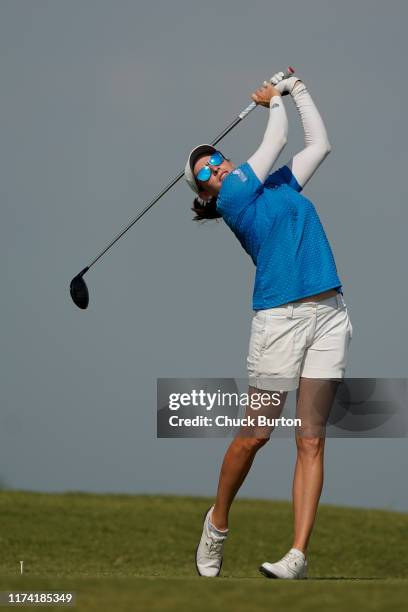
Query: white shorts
(309, 339)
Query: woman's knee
(252, 443)
(310, 446)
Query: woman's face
(210, 188)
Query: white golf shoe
(209, 551)
(293, 566)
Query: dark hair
(205, 210)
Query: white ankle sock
(298, 552)
(217, 532)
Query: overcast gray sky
(100, 102)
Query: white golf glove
(284, 86)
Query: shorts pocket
(350, 327)
(257, 340)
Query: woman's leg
(239, 457)
(314, 401)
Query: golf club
(78, 289)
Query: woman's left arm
(276, 133)
(317, 146)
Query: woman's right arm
(276, 133)
(317, 146)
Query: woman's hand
(285, 86)
(264, 94)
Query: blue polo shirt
(281, 231)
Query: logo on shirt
(241, 175)
(274, 105)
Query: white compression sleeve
(317, 146)
(274, 140)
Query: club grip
(290, 72)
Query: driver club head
(79, 290)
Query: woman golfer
(301, 329)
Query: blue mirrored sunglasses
(205, 173)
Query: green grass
(137, 553)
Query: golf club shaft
(220, 136)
